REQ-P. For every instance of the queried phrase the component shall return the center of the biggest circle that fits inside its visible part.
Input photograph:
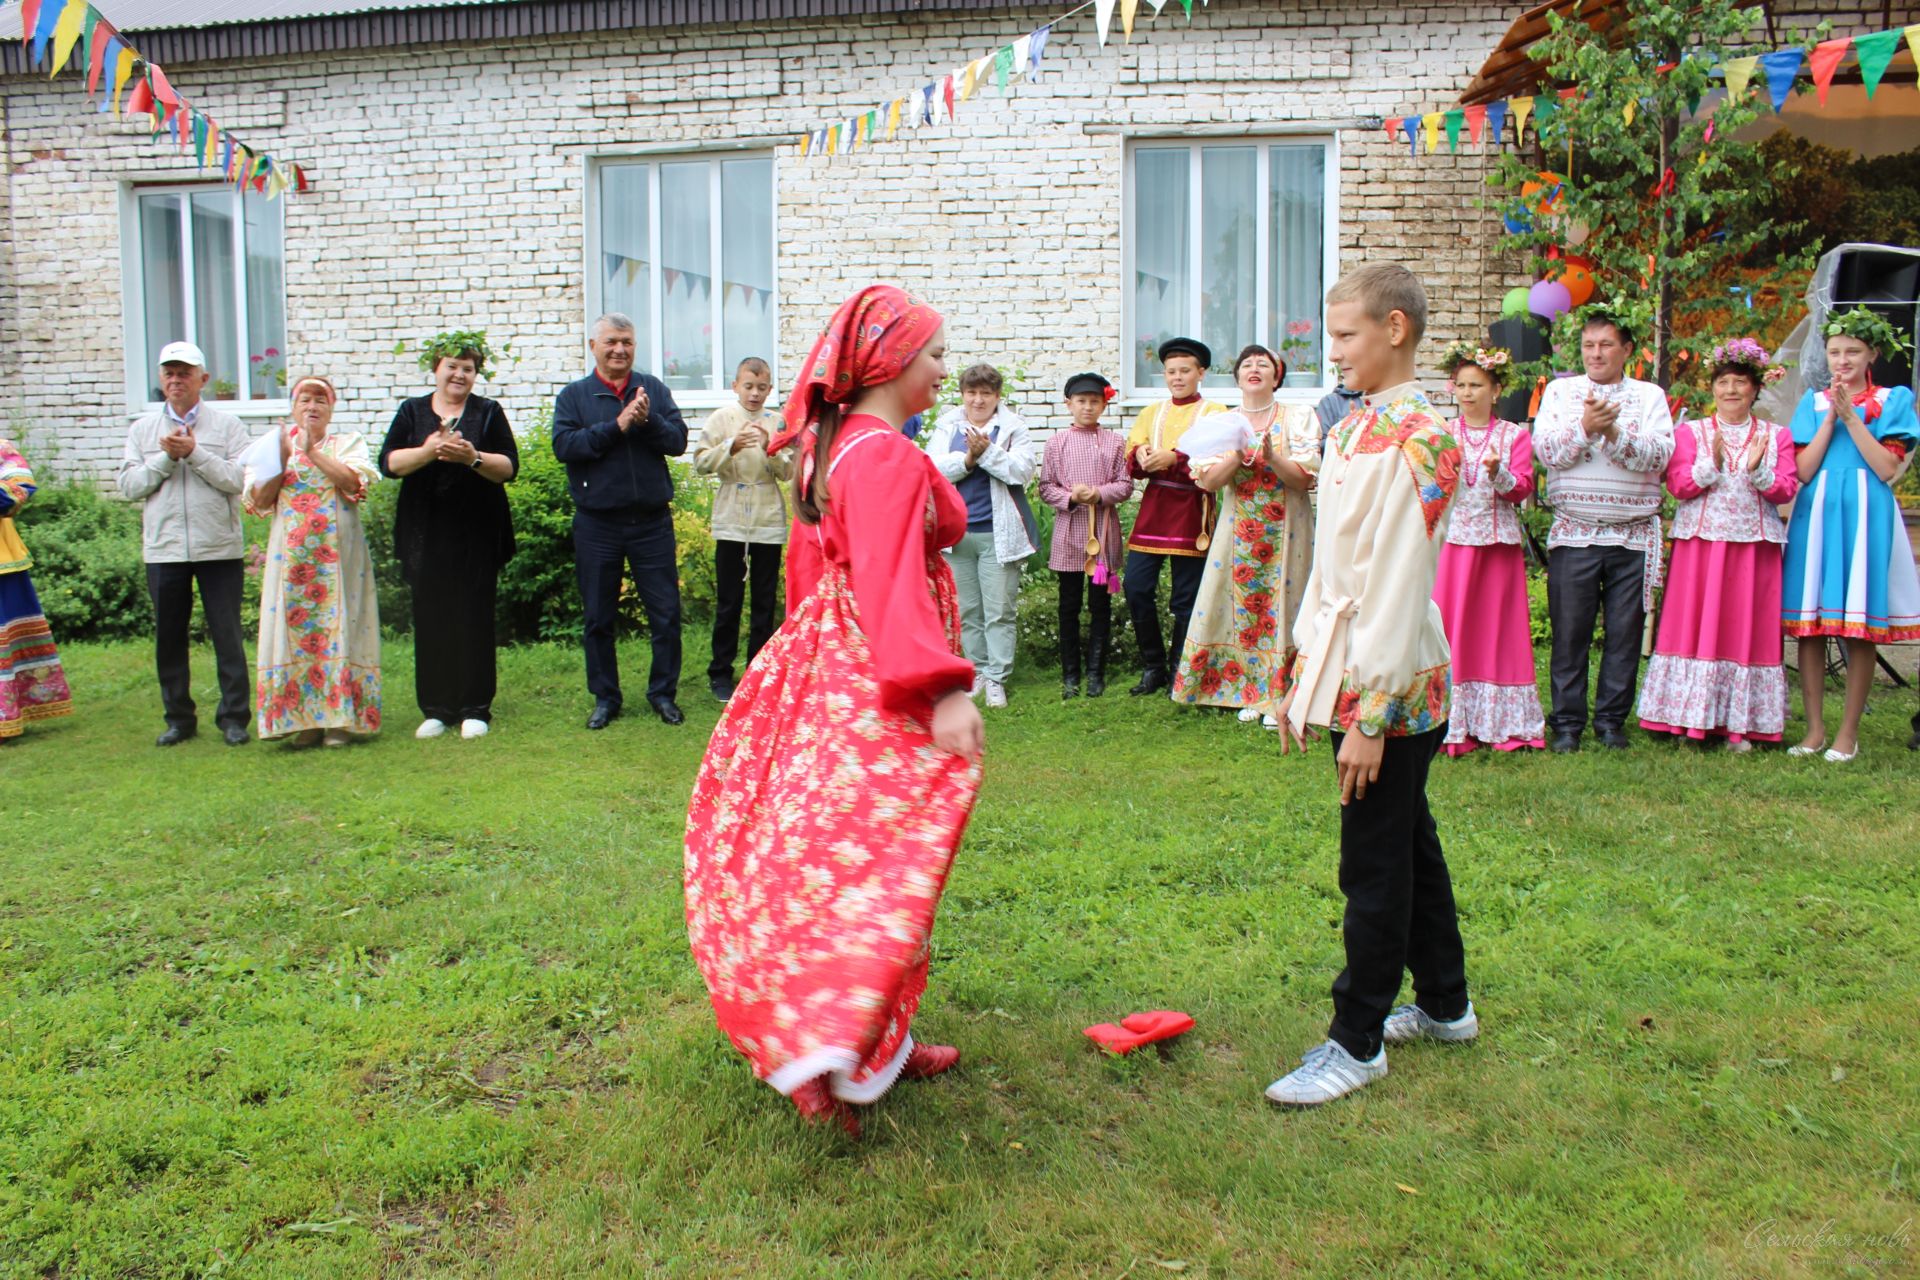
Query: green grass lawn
(426, 1009)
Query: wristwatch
(475, 464)
(1368, 730)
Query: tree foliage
(1677, 211)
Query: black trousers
(605, 544)
(742, 571)
(1582, 582)
(1400, 912)
(1073, 586)
(171, 588)
(1141, 579)
(454, 651)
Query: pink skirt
(1716, 669)
(1482, 594)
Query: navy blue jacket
(611, 471)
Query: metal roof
(173, 31)
(163, 15)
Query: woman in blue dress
(1850, 571)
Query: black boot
(1069, 650)
(1152, 680)
(1097, 654)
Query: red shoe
(817, 1103)
(1137, 1029)
(928, 1060)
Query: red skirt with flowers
(819, 838)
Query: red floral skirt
(819, 838)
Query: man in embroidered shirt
(183, 464)
(1173, 512)
(1605, 440)
(1374, 668)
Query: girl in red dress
(840, 777)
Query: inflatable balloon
(1514, 304)
(1544, 196)
(1578, 282)
(1549, 299)
(1517, 221)
(1577, 233)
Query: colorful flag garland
(53, 29)
(1779, 69)
(937, 100)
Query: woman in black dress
(453, 452)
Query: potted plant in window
(225, 389)
(269, 372)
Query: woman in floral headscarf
(319, 654)
(841, 775)
(1716, 670)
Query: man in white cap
(183, 462)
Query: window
(205, 265)
(1228, 242)
(685, 247)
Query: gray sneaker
(1326, 1073)
(1410, 1022)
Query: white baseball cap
(183, 353)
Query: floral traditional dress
(1481, 589)
(824, 821)
(1849, 569)
(1716, 669)
(318, 663)
(33, 685)
(1239, 650)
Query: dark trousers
(171, 588)
(1582, 582)
(604, 544)
(741, 571)
(1141, 580)
(1400, 912)
(454, 667)
(1074, 585)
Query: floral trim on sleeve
(1418, 709)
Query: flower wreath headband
(1863, 325)
(1497, 361)
(1750, 354)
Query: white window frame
(651, 361)
(1329, 242)
(133, 293)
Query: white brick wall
(449, 186)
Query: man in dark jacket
(615, 430)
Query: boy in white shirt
(1374, 669)
(750, 518)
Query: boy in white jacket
(750, 518)
(1374, 669)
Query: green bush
(87, 564)
(1037, 618)
(539, 592)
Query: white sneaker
(1326, 1073)
(996, 694)
(430, 729)
(473, 728)
(1410, 1022)
(1249, 714)
(979, 683)
(1269, 723)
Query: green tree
(1676, 208)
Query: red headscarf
(871, 340)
